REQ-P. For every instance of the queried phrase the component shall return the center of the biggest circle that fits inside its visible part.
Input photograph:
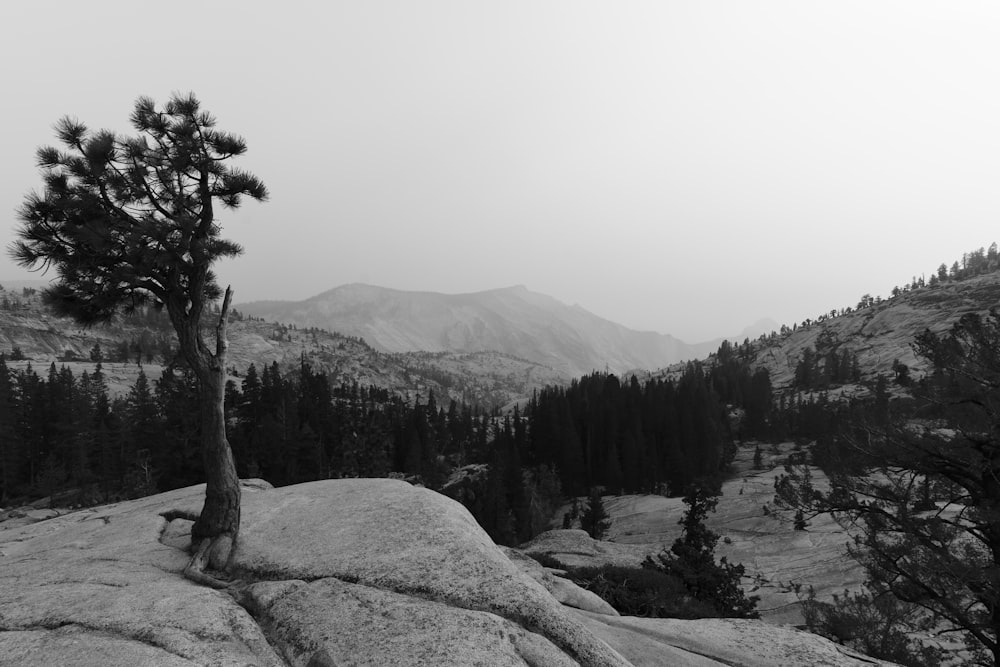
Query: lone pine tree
(595, 519)
(691, 559)
(127, 221)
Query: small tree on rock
(595, 518)
(692, 560)
(130, 220)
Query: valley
(507, 435)
(781, 563)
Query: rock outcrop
(345, 572)
(884, 333)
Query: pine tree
(129, 221)
(142, 437)
(595, 519)
(10, 443)
(692, 560)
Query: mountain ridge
(30, 334)
(513, 320)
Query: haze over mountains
(512, 320)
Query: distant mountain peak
(513, 320)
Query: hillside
(876, 335)
(490, 379)
(883, 332)
(512, 320)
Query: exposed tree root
(209, 563)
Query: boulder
(389, 535)
(575, 548)
(96, 587)
(562, 589)
(351, 624)
(22, 516)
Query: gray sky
(684, 167)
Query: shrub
(645, 592)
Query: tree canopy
(126, 219)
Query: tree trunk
(214, 534)
(220, 517)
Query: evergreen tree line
(738, 384)
(600, 433)
(631, 437)
(816, 370)
(65, 435)
(60, 432)
(974, 263)
(807, 413)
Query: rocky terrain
(882, 333)
(337, 572)
(513, 320)
(781, 563)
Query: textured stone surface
(345, 572)
(77, 646)
(361, 625)
(575, 548)
(390, 535)
(96, 587)
(781, 563)
(884, 333)
(563, 590)
(712, 641)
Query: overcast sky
(683, 167)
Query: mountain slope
(884, 332)
(876, 335)
(488, 379)
(511, 320)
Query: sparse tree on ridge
(130, 220)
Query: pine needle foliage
(125, 220)
(691, 559)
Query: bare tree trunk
(214, 534)
(221, 513)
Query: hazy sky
(685, 167)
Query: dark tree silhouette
(595, 519)
(131, 220)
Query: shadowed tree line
(64, 435)
(61, 432)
